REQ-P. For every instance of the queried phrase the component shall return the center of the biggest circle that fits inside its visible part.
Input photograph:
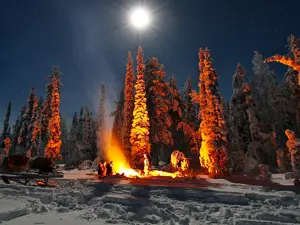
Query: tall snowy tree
(26, 125)
(190, 123)
(128, 106)
(292, 79)
(293, 147)
(46, 114)
(118, 119)
(41, 103)
(36, 128)
(64, 136)
(213, 152)
(54, 143)
(225, 110)
(95, 151)
(263, 85)
(19, 137)
(139, 137)
(238, 120)
(190, 112)
(35, 111)
(238, 109)
(158, 109)
(88, 134)
(71, 156)
(80, 128)
(15, 134)
(176, 112)
(5, 130)
(100, 121)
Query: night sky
(89, 40)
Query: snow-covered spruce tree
(94, 138)
(158, 107)
(9, 131)
(88, 133)
(35, 112)
(80, 128)
(193, 137)
(292, 77)
(36, 129)
(281, 103)
(190, 115)
(46, 114)
(213, 152)
(41, 103)
(100, 121)
(293, 144)
(18, 142)
(189, 125)
(286, 99)
(225, 110)
(54, 143)
(64, 136)
(139, 136)
(263, 145)
(15, 133)
(128, 106)
(5, 132)
(238, 115)
(35, 139)
(72, 156)
(263, 86)
(176, 112)
(118, 119)
(27, 125)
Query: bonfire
(122, 167)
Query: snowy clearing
(129, 201)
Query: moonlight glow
(139, 18)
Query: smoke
(93, 59)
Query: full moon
(139, 18)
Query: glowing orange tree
(128, 106)
(36, 126)
(213, 152)
(293, 63)
(139, 137)
(54, 142)
(7, 145)
(292, 77)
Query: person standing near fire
(109, 168)
(147, 164)
(102, 169)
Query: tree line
(152, 115)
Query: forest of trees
(152, 115)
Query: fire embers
(179, 161)
(105, 169)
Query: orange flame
(120, 165)
(40, 183)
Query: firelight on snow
(139, 18)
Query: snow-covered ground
(125, 201)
